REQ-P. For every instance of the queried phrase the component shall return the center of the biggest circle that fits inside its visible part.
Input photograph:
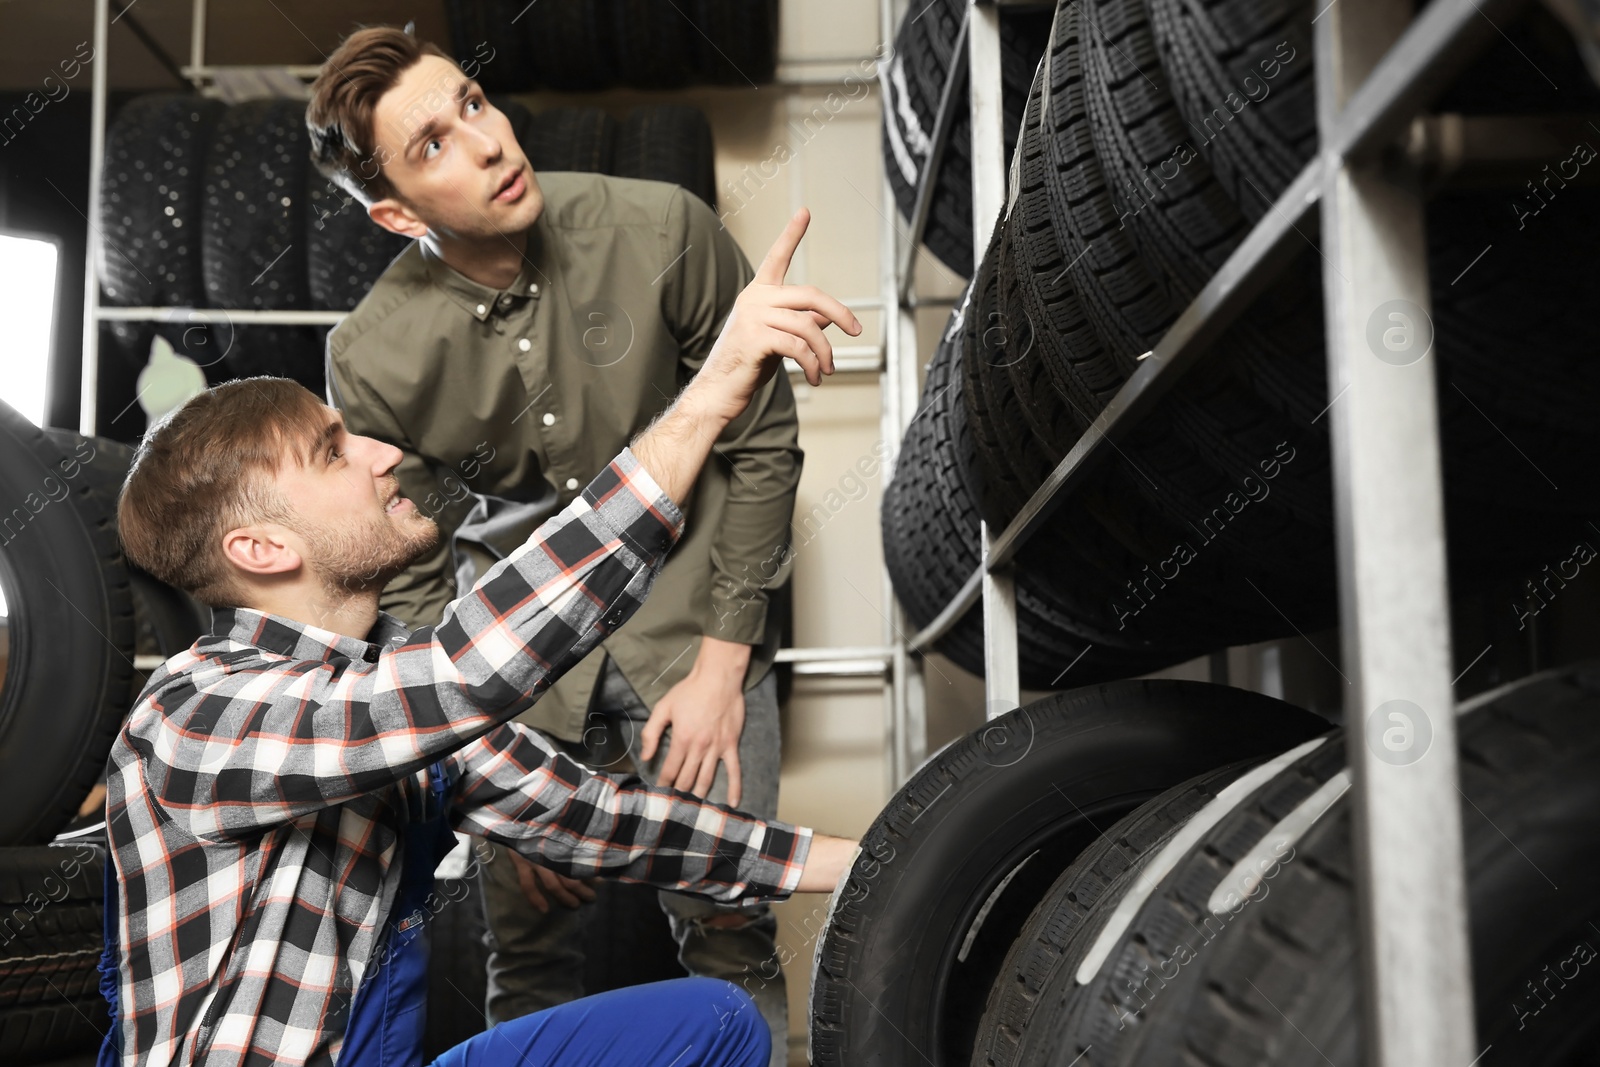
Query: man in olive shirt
(534, 327)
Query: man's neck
(491, 261)
(351, 615)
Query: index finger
(776, 265)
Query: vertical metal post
(1001, 686)
(197, 36)
(88, 415)
(1399, 715)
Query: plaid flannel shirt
(257, 792)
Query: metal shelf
(1377, 66)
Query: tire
(668, 143)
(652, 44)
(520, 117)
(571, 138)
(1530, 778)
(570, 42)
(51, 914)
(628, 939)
(458, 962)
(912, 82)
(70, 633)
(482, 33)
(988, 825)
(346, 252)
(1061, 927)
(253, 227)
(736, 42)
(150, 196)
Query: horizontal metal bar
(148, 663)
(843, 668)
(1437, 45)
(812, 655)
(1239, 280)
(225, 316)
(1496, 151)
(959, 605)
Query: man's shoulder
(390, 295)
(580, 201)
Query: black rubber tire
(651, 39)
(668, 143)
(737, 42)
(150, 194)
(1027, 1015)
(519, 116)
(1278, 983)
(346, 252)
(628, 940)
(1040, 779)
(253, 225)
(912, 81)
(70, 675)
(571, 44)
(571, 138)
(458, 962)
(51, 908)
(482, 33)
(1061, 928)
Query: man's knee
(742, 1032)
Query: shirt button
(549, 419)
(370, 653)
(524, 344)
(505, 301)
(572, 483)
(533, 289)
(481, 309)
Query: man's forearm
(675, 446)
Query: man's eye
(475, 103)
(427, 150)
(333, 454)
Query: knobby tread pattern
(868, 988)
(1063, 925)
(51, 936)
(669, 143)
(1276, 984)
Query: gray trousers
(536, 961)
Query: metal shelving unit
(841, 661)
(1377, 68)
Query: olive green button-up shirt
(525, 394)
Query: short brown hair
(207, 468)
(344, 98)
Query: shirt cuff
(779, 860)
(629, 502)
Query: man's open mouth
(395, 503)
(512, 187)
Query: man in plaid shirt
(268, 797)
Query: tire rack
(1378, 67)
(847, 661)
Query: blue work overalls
(389, 1013)
(685, 1022)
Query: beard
(363, 557)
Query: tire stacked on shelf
(912, 82)
(1240, 944)
(946, 875)
(588, 45)
(253, 220)
(1211, 523)
(210, 206)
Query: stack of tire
(1161, 874)
(1211, 525)
(588, 45)
(77, 617)
(210, 206)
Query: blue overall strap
(110, 1054)
(389, 1013)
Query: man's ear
(261, 550)
(395, 217)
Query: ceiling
(39, 38)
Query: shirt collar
(478, 300)
(297, 640)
